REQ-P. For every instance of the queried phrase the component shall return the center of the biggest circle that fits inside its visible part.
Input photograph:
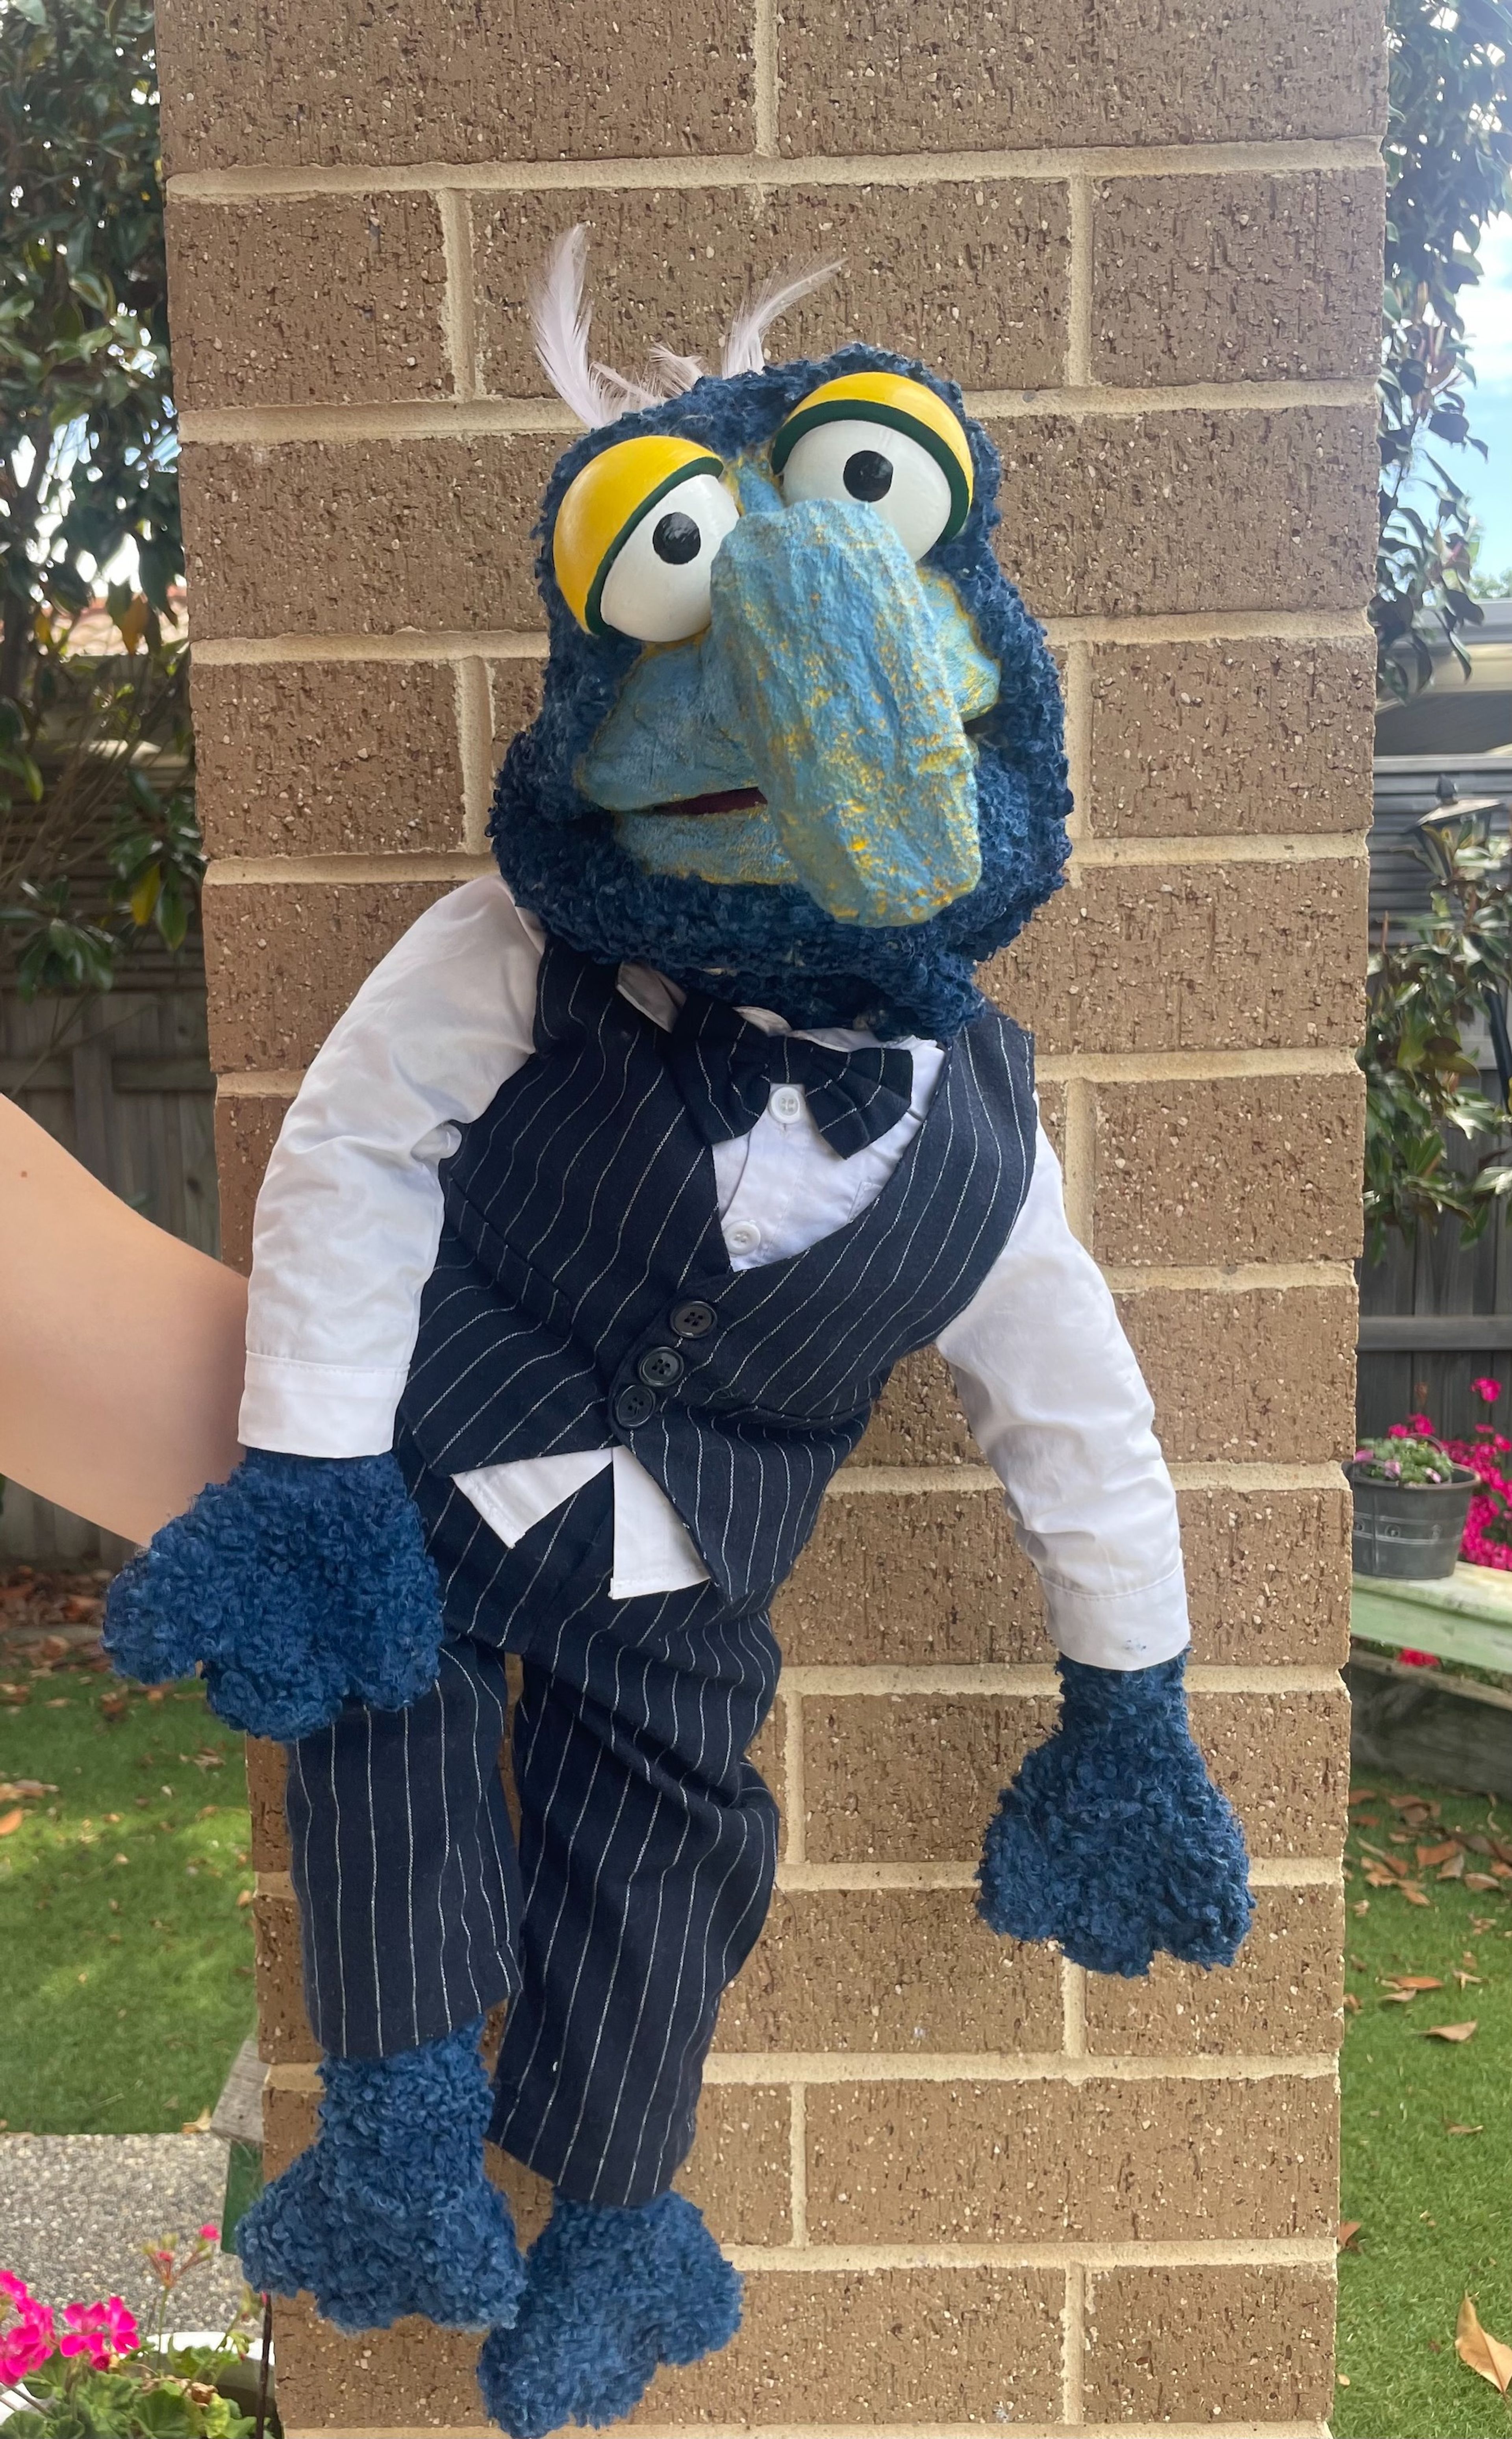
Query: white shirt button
(743, 1238)
(786, 1103)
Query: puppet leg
(649, 1848)
(404, 1866)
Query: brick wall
(969, 2184)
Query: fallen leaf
(1428, 1854)
(1454, 1869)
(207, 1759)
(1450, 2032)
(1365, 1795)
(1351, 2003)
(115, 1706)
(1414, 1895)
(11, 1821)
(199, 2125)
(1345, 2234)
(1479, 1881)
(1500, 1846)
(1360, 1905)
(1480, 2351)
(1463, 2130)
(1407, 1803)
(1398, 1998)
(1412, 1982)
(1464, 1978)
(244, 1896)
(1367, 1819)
(12, 1788)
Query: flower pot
(1410, 1532)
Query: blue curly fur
(610, 2294)
(302, 1583)
(389, 2212)
(1112, 1839)
(776, 947)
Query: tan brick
(1197, 740)
(1283, 1762)
(1157, 2160)
(867, 78)
(283, 2028)
(917, 1419)
(246, 1128)
(818, 2348)
(1267, 1375)
(915, 1778)
(1198, 511)
(1173, 956)
(514, 689)
(911, 1778)
(292, 83)
(894, 1970)
(768, 1755)
(740, 2171)
(1281, 1995)
(1242, 278)
(1267, 1575)
(266, 1769)
(288, 301)
(319, 537)
(408, 2377)
(328, 757)
(283, 961)
(1244, 1169)
(911, 1577)
(972, 278)
(1194, 2345)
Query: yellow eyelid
(605, 502)
(906, 406)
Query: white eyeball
(657, 588)
(857, 459)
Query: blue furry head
(772, 944)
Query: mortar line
(921, 1480)
(1027, 1680)
(1078, 1157)
(795, 1800)
(1077, 690)
(1196, 1066)
(883, 1879)
(1245, 1278)
(250, 183)
(1231, 846)
(1073, 2008)
(1073, 2339)
(1079, 284)
(437, 644)
(765, 80)
(844, 2066)
(474, 738)
(458, 314)
(742, 2260)
(475, 416)
(798, 2161)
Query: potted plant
(1410, 1503)
(89, 2372)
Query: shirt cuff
(318, 1409)
(1119, 1629)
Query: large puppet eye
(636, 536)
(886, 440)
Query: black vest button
(633, 1405)
(660, 1366)
(694, 1319)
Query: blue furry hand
(300, 1584)
(1112, 1839)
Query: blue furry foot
(390, 2211)
(301, 1584)
(610, 2295)
(1112, 1839)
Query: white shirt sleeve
(349, 1216)
(1060, 1409)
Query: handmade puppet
(589, 1243)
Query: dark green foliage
(1448, 155)
(88, 466)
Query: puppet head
(800, 746)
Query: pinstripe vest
(583, 1294)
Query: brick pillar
(966, 2183)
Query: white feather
(560, 317)
(743, 350)
(674, 373)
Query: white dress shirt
(350, 1218)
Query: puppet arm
(1111, 1839)
(303, 1582)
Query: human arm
(1111, 1839)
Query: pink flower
(1397, 1432)
(1488, 1389)
(15, 2288)
(26, 2340)
(1418, 1659)
(100, 2330)
(209, 2235)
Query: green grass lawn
(127, 1980)
(1434, 2204)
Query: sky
(1487, 309)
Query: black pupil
(677, 538)
(868, 474)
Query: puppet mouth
(715, 800)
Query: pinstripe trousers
(644, 1863)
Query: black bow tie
(725, 1069)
